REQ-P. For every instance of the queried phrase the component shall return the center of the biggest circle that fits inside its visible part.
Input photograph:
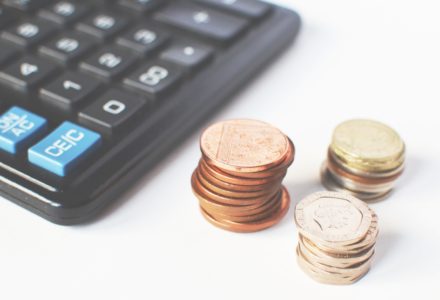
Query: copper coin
(244, 145)
(339, 170)
(236, 187)
(255, 226)
(200, 189)
(270, 172)
(237, 211)
(225, 177)
(235, 194)
(328, 181)
(250, 218)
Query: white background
(377, 59)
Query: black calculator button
(143, 39)
(112, 113)
(27, 73)
(64, 12)
(203, 21)
(154, 79)
(188, 55)
(69, 91)
(247, 8)
(140, 6)
(6, 17)
(103, 25)
(109, 62)
(26, 5)
(68, 47)
(7, 52)
(29, 32)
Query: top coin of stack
(238, 180)
(365, 159)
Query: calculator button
(140, 6)
(64, 148)
(6, 17)
(154, 79)
(27, 73)
(26, 5)
(203, 21)
(112, 113)
(19, 128)
(103, 25)
(247, 8)
(6, 53)
(188, 55)
(68, 47)
(109, 63)
(64, 12)
(28, 33)
(143, 39)
(69, 91)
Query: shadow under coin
(386, 243)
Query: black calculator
(93, 93)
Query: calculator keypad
(103, 69)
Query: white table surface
(376, 59)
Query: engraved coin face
(333, 218)
(244, 145)
(367, 141)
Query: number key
(69, 91)
(112, 113)
(109, 62)
(68, 47)
(27, 73)
(28, 33)
(103, 25)
(154, 79)
(64, 12)
(143, 39)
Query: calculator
(94, 93)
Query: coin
(244, 145)
(238, 180)
(331, 217)
(337, 237)
(253, 226)
(368, 145)
(328, 181)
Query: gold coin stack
(364, 159)
(238, 181)
(337, 237)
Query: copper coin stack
(337, 237)
(364, 159)
(238, 181)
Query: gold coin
(368, 145)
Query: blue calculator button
(19, 128)
(64, 148)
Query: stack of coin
(238, 181)
(365, 159)
(337, 237)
